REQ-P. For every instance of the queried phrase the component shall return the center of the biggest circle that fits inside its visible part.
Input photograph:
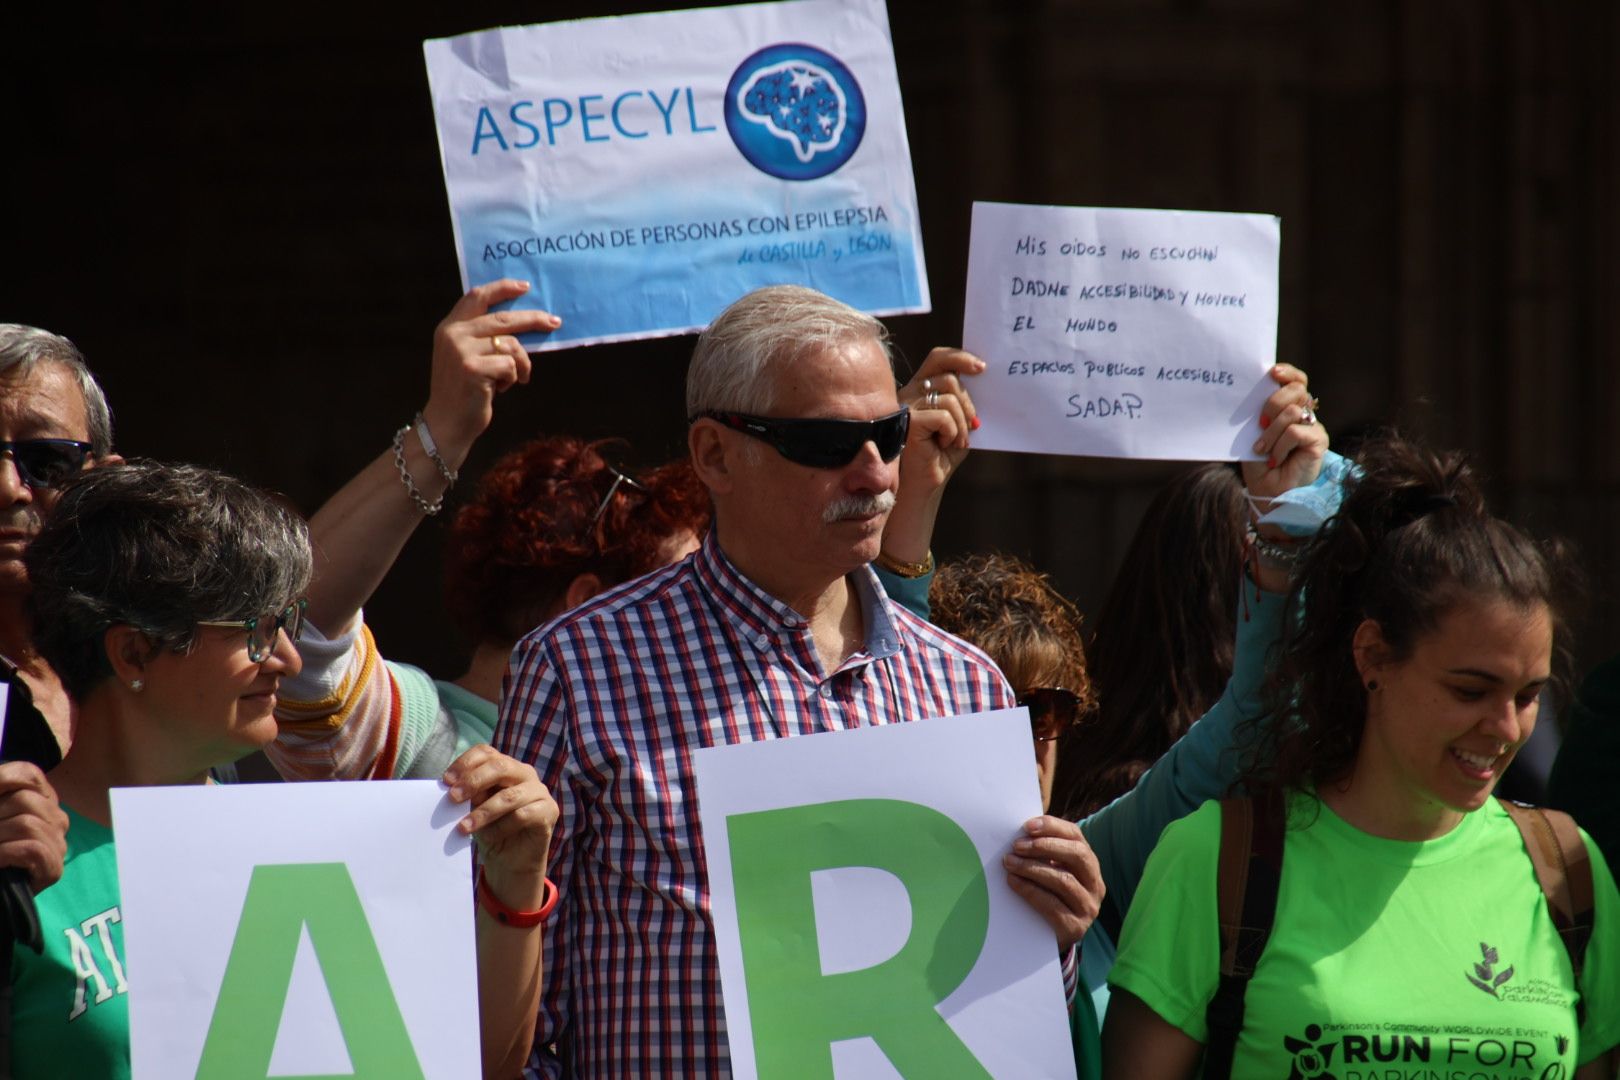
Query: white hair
(22, 347)
(733, 364)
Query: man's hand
(33, 826)
(1053, 868)
(475, 357)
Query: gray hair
(158, 547)
(770, 327)
(21, 347)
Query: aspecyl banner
(644, 171)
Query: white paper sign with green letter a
(863, 920)
(309, 930)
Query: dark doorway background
(240, 216)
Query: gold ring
(495, 343)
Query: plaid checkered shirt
(609, 702)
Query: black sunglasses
(821, 444)
(46, 463)
(1052, 710)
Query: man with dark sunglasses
(776, 627)
(54, 422)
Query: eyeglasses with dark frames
(46, 463)
(820, 444)
(262, 630)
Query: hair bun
(1419, 504)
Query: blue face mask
(1304, 510)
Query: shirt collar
(755, 612)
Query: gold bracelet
(906, 569)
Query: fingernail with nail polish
(975, 424)
(1265, 422)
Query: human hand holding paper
(475, 357)
(1292, 438)
(1053, 868)
(942, 415)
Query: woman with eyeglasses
(168, 598)
(549, 525)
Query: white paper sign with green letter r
(863, 921)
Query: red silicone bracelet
(511, 916)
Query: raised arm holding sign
(644, 171)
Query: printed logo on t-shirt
(94, 958)
(1311, 1057)
(1485, 976)
(1501, 984)
(1390, 1051)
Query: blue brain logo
(795, 112)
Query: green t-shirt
(1388, 959)
(70, 1005)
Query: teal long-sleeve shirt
(1200, 766)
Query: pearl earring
(137, 685)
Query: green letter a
(797, 1012)
(281, 901)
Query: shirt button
(826, 690)
(762, 642)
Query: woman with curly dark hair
(550, 525)
(1404, 894)
(1011, 611)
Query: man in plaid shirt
(776, 627)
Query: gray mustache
(846, 507)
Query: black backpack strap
(1564, 871)
(1248, 876)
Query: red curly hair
(533, 526)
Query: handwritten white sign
(864, 924)
(297, 930)
(1121, 333)
(644, 171)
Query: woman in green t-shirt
(167, 599)
(1410, 936)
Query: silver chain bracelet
(449, 474)
(1277, 555)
